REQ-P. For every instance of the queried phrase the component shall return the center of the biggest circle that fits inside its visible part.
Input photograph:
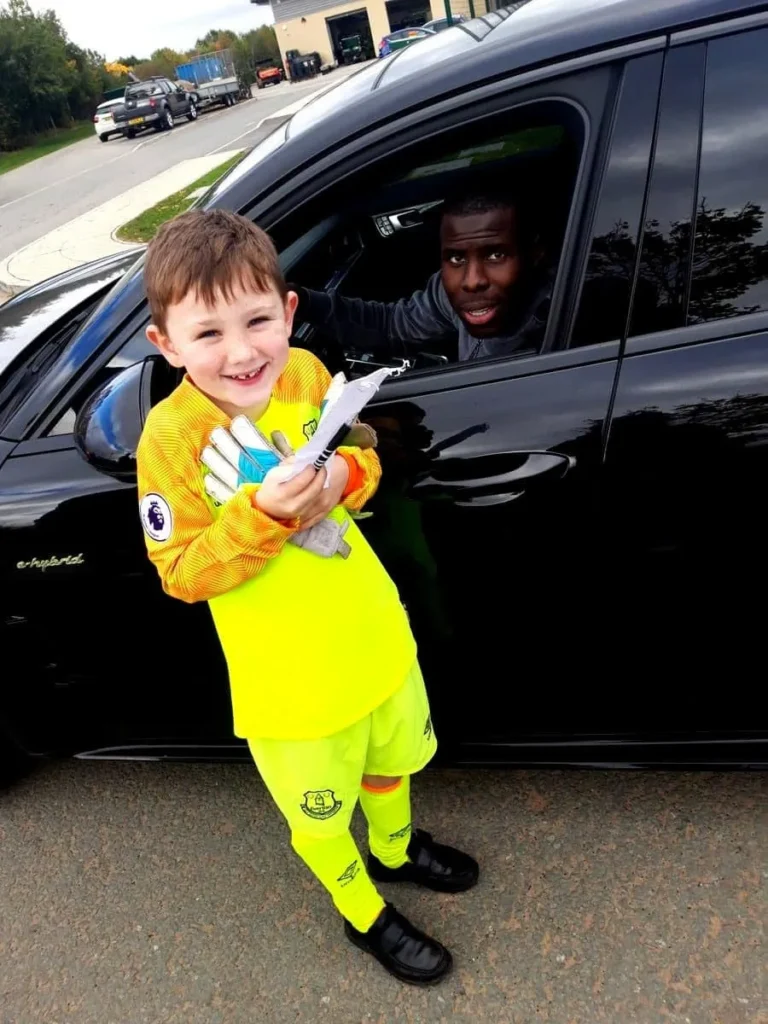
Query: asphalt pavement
(168, 894)
(46, 193)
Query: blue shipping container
(200, 71)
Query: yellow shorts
(316, 783)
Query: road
(167, 894)
(49, 192)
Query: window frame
(725, 327)
(588, 90)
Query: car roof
(524, 34)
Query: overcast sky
(140, 26)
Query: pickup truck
(155, 103)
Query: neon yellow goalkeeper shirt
(312, 644)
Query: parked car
(155, 103)
(578, 529)
(402, 38)
(103, 120)
(268, 72)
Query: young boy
(325, 684)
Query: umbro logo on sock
(349, 874)
(401, 832)
(428, 727)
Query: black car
(575, 530)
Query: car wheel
(167, 122)
(131, 133)
(103, 138)
(192, 115)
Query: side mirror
(109, 424)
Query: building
(320, 26)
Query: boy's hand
(330, 497)
(287, 499)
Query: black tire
(167, 121)
(103, 138)
(131, 133)
(193, 112)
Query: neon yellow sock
(389, 821)
(337, 863)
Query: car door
(489, 512)
(106, 659)
(688, 454)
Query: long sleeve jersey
(312, 644)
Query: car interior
(383, 244)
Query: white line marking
(242, 135)
(61, 181)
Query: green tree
(35, 73)
(161, 62)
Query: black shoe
(432, 865)
(400, 947)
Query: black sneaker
(407, 953)
(432, 865)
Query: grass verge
(143, 227)
(47, 142)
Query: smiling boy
(322, 664)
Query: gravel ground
(135, 893)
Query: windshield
(142, 91)
(337, 97)
(260, 152)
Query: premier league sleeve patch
(156, 517)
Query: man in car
(491, 290)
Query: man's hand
(330, 497)
(288, 499)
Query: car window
(135, 349)
(606, 292)
(398, 285)
(664, 268)
(143, 90)
(730, 249)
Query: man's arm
(365, 324)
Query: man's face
(234, 350)
(480, 266)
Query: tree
(162, 62)
(216, 39)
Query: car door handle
(505, 476)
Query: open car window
(380, 242)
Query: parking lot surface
(160, 893)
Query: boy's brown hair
(210, 253)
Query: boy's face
(234, 350)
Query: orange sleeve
(364, 476)
(201, 556)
